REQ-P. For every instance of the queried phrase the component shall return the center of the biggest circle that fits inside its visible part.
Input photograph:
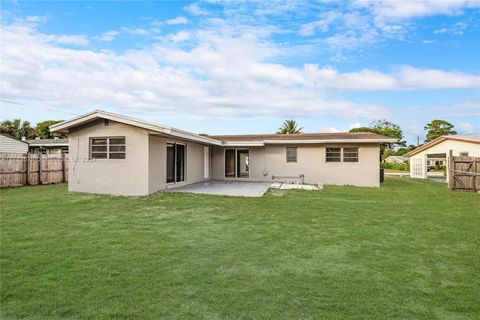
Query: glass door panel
(230, 163)
(180, 162)
(170, 163)
(243, 163)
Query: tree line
(435, 129)
(17, 129)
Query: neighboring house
(396, 159)
(48, 146)
(10, 145)
(114, 154)
(437, 151)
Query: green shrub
(405, 166)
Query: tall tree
(290, 127)
(386, 128)
(17, 129)
(438, 128)
(42, 130)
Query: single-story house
(396, 159)
(48, 146)
(436, 152)
(10, 145)
(114, 154)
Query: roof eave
(98, 114)
(326, 141)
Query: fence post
(451, 166)
(27, 180)
(40, 168)
(63, 167)
(474, 175)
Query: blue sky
(243, 67)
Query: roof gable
(471, 139)
(99, 114)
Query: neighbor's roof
(99, 114)
(397, 157)
(48, 142)
(472, 138)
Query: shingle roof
(42, 142)
(301, 136)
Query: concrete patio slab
(226, 188)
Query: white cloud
(355, 125)
(108, 36)
(78, 40)
(442, 30)
(136, 31)
(219, 75)
(387, 10)
(456, 29)
(466, 127)
(177, 20)
(404, 78)
(322, 24)
(180, 36)
(196, 10)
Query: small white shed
(9, 145)
(438, 150)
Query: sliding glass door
(175, 162)
(237, 163)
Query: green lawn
(409, 250)
(396, 171)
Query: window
(107, 148)
(291, 154)
(463, 154)
(341, 154)
(350, 154)
(333, 154)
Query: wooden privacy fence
(464, 173)
(18, 169)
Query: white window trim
(108, 147)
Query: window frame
(355, 159)
(107, 151)
(287, 159)
(339, 154)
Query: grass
(396, 171)
(409, 250)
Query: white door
(206, 162)
(418, 167)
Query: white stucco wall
(127, 176)
(310, 162)
(142, 172)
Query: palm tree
(17, 129)
(290, 127)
